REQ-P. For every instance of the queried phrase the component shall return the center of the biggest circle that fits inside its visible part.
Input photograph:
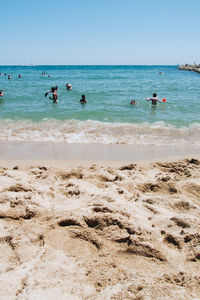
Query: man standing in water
(83, 99)
(54, 94)
(153, 99)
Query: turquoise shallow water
(108, 117)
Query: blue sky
(99, 32)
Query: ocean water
(108, 117)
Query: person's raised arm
(47, 93)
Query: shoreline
(63, 154)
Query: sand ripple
(100, 232)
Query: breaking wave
(89, 132)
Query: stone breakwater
(193, 68)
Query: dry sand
(100, 232)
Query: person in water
(153, 99)
(68, 86)
(54, 94)
(133, 102)
(1, 93)
(83, 99)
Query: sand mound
(92, 233)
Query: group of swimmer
(153, 100)
(44, 74)
(83, 100)
(54, 96)
(9, 76)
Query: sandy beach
(100, 150)
(99, 228)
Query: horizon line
(37, 65)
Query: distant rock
(193, 68)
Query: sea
(107, 117)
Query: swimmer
(1, 94)
(54, 94)
(83, 99)
(19, 76)
(68, 86)
(55, 88)
(153, 99)
(9, 77)
(133, 102)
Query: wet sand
(63, 154)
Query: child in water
(83, 99)
(54, 94)
(153, 99)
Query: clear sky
(99, 32)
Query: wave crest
(73, 131)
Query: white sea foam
(98, 132)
